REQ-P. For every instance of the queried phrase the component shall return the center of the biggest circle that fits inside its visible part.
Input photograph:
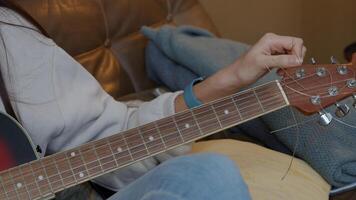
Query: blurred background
(327, 26)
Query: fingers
(304, 52)
(281, 61)
(283, 44)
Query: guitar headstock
(312, 87)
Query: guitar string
(295, 94)
(291, 97)
(178, 121)
(111, 161)
(294, 149)
(330, 77)
(330, 74)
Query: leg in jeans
(195, 177)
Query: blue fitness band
(189, 97)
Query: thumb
(282, 61)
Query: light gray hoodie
(62, 106)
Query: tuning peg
(354, 97)
(341, 110)
(325, 118)
(333, 60)
(313, 61)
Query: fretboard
(54, 173)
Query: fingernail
(301, 60)
(298, 60)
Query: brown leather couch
(103, 35)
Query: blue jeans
(196, 177)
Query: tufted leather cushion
(103, 34)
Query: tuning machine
(342, 110)
(325, 118)
(354, 97)
(313, 61)
(333, 60)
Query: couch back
(103, 35)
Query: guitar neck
(62, 170)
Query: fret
(3, 193)
(188, 127)
(270, 97)
(53, 174)
(135, 144)
(91, 158)
(206, 119)
(111, 151)
(152, 137)
(258, 100)
(32, 178)
(175, 123)
(46, 175)
(196, 122)
(62, 185)
(41, 178)
(227, 112)
(247, 104)
(106, 158)
(84, 176)
(18, 183)
(143, 140)
(216, 115)
(24, 182)
(65, 169)
(9, 185)
(122, 154)
(77, 165)
(169, 132)
(237, 109)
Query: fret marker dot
(119, 149)
(81, 175)
(187, 125)
(226, 112)
(72, 154)
(151, 138)
(40, 177)
(19, 185)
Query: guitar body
(16, 147)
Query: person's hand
(270, 51)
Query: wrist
(227, 81)
(221, 84)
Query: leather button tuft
(107, 43)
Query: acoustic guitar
(309, 88)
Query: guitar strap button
(38, 149)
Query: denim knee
(207, 173)
(200, 177)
